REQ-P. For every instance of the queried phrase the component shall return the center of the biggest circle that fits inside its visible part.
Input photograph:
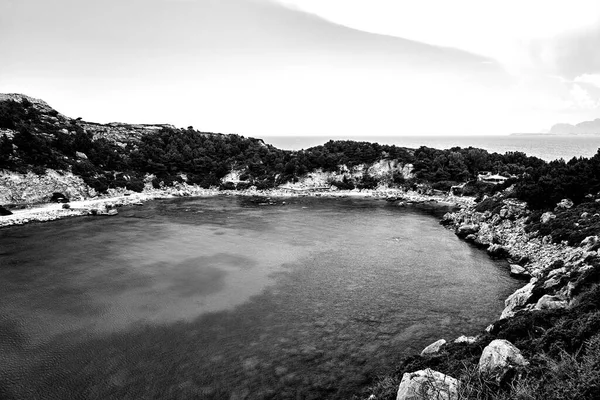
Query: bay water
(223, 298)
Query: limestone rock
(547, 302)
(547, 217)
(81, 155)
(499, 358)
(497, 250)
(467, 229)
(466, 339)
(433, 347)
(550, 283)
(590, 243)
(517, 271)
(564, 204)
(427, 384)
(518, 299)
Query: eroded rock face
(518, 299)
(499, 358)
(590, 243)
(433, 347)
(30, 188)
(427, 384)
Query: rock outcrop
(31, 188)
(427, 384)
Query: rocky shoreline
(117, 198)
(555, 275)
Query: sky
(309, 67)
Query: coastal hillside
(84, 159)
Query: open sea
(545, 147)
(222, 298)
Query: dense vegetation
(42, 140)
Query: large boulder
(547, 302)
(427, 384)
(499, 358)
(433, 347)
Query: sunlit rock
(518, 299)
(518, 271)
(547, 302)
(547, 217)
(499, 358)
(433, 347)
(590, 243)
(564, 204)
(427, 384)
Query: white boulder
(518, 271)
(433, 347)
(427, 384)
(547, 217)
(499, 357)
(547, 302)
(518, 299)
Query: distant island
(582, 128)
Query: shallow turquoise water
(223, 298)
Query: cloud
(592, 79)
(582, 99)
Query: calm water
(221, 298)
(545, 147)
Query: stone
(590, 243)
(550, 283)
(81, 155)
(433, 347)
(467, 229)
(547, 302)
(584, 215)
(547, 217)
(564, 204)
(427, 384)
(518, 271)
(499, 358)
(497, 250)
(466, 339)
(518, 299)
